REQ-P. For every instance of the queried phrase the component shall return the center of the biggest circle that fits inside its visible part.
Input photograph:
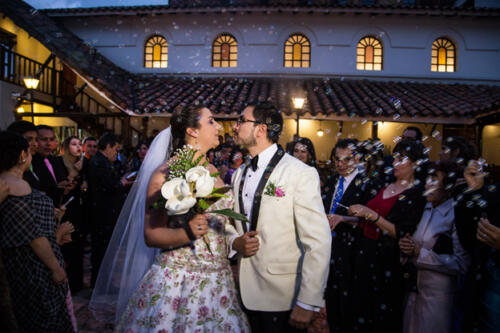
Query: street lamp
(298, 103)
(320, 131)
(31, 83)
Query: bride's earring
(197, 145)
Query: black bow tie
(253, 162)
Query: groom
(284, 249)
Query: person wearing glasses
(284, 249)
(348, 186)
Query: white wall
(407, 43)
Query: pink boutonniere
(274, 191)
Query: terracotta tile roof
(115, 82)
(332, 98)
(325, 98)
(445, 7)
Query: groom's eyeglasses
(242, 120)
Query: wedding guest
(478, 227)
(6, 315)
(222, 159)
(107, 191)
(72, 159)
(436, 253)
(211, 156)
(412, 133)
(140, 153)
(30, 252)
(48, 168)
(89, 148)
(378, 284)
(348, 186)
(458, 149)
(28, 131)
(235, 160)
(304, 151)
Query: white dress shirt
(252, 179)
(347, 181)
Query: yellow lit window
(225, 51)
(443, 56)
(156, 52)
(297, 51)
(369, 55)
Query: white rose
(204, 182)
(179, 196)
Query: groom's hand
(300, 317)
(248, 244)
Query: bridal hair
(189, 117)
(266, 113)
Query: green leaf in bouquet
(230, 213)
(218, 195)
(160, 203)
(221, 190)
(204, 205)
(215, 174)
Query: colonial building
(366, 68)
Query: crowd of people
(415, 243)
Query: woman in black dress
(379, 279)
(31, 256)
(72, 159)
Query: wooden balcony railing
(14, 67)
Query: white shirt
(252, 180)
(347, 181)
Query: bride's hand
(199, 225)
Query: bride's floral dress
(189, 289)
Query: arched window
(443, 56)
(297, 51)
(225, 51)
(156, 52)
(369, 55)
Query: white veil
(128, 257)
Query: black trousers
(100, 238)
(271, 322)
(73, 257)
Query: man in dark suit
(347, 187)
(49, 170)
(107, 192)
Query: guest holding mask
(72, 159)
(378, 286)
(30, 251)
(435, 251)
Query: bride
(153, 279)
